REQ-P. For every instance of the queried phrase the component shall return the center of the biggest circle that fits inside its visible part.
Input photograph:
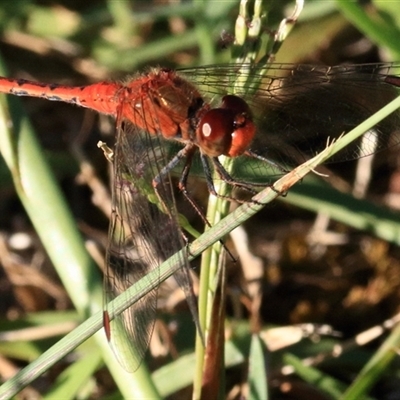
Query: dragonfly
(269, 118)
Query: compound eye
(236, 104)
(244, 127)
(227, 130)
(214, 132)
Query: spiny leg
(157, 180)
(189, 198)
(184, 154)
(183, 187)
(225, 177)
(256, 156)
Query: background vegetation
(343, 272)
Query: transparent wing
(143, 233)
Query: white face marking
(206, 129)
(138, 105)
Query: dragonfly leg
(189, 198)
(158, 180)
(251, 154)
(233, 182)
(183, 188)
(223, 173)
(186, 153)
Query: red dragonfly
(272, 118)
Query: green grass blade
(381, 26)
(361, 214)
(257, 379)
(375, 367)
(315, 377)
(70, 382)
